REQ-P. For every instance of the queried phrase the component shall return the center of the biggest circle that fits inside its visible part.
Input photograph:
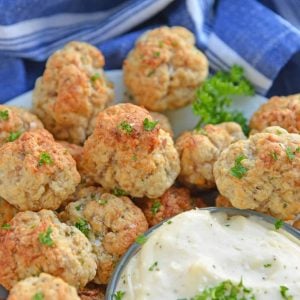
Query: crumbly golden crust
(45, 285)
(270, 180)
(222, 201)
(163, 121)
(113, 224)
(23, 254)
(16, 120)
(199, 150)
(72, 91)
(140, 162)
(164, 69)
(7, 212)
(30, 183)
(278, 111)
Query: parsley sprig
(45, 237)
(4, 116)
(278, 224)
(38, 296)
(126, 127)
(83, 226)
(141, 239)
(149, 125)
(155, 207)
(213, 98)
(118, 295)
(284, 293)
(238, 170)
(13, 136)
(45, 159)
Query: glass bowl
(134, 248)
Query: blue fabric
(248, 32)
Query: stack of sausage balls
(82, 179)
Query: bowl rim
(135, 247)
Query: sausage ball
(72, 91)
(262, 173)
(164, 69)
(7, 212)
(38, 242)
(199, 149)
(281, 111)
(173, 202)
(222, 201)
(163, 122)
(129, 151)
(111, 224)
(43, 287)
(36, 172)
(92, 292)
(14, 121)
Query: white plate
(181, 119)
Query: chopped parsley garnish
(267, 265)
(45, 159)
(238, 170)
(278, 224)
(78, 207)
(155, 207)
(102, 201)
(297, 149)
(160, 44)
(284, 293)
(274, 155)
(4, 115)
(126, 127)
(201, 131)
(119, 192)
(150, 73)
(118, 295)
(83, 226)
(6, 226)
(169, 222)
(95, 77)
(156, 54)
(213, 98)
(134, 157)
(226, 290)
(153, 267)
(141, 239)
(289, 153)
(278, 132)
(45, 237)
(149, 125)
(38, 296)
(13, 136)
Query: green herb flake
(95, 77)
(83, 226)
(102, 201)
(267, 265)
(78, 207)
(141, 239)
(152, 72)
(118, 295)
(297, 150)
(274, 155)
(284, 293)
(201, 131)
(134, 157)
(38, 296)
(155, 207)
(213, 98)
(13, 136)
(278, 224)
(278, 132)
(149, 125)
(126, 127)
(45, 159)
(153, 267)
(289, 153)
(45, 237)
(169, 222)
(119, 192)
(156, 54)
(160, 44)
(4, 116)
(238, 170)
(6, 226)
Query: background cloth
(262, 36)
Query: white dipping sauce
(200, 249)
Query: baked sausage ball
(129, 151)
(173, 202)
(72, 91)
(111, 224)
(14, 121)
(163, 122)
(92, 292)
(36, 172)
(280, 111)
(222, 201)
(262, 173)
(39, 242)
(199, 149)
(43, 287)
(164, 69)
(7, 212)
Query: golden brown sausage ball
(111, 224)
(92, 292)
(39, 242)
(129, 151)
(72, 91)
(199, 149)
(7, 212)
(164, 69)
(43, 287)
(36, 172)
(14, 121)
(278, 111)
(163, 122)
(262, 173)
(222, 201)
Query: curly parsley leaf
(6, 226)
(38, 296)
(278, 224)
(126, 127)
(238, 170)
(284, 293)
(45, 237)
(118, 295)
(45, 159)
(119, 192)
(141, 239)
(83, 226)
(4, 116)
(13, 136)
(149, 125)
(155, 207)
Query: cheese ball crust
(16, 120)
(199, 149)
(164, 69)
(72, 91)
(113, 223)
(23, 253)
(163, 122)
(36, 172)
(121, 153)
(278, 111)
(46, 286)
(267, 179)
(7, 212)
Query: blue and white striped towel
(245, 32)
